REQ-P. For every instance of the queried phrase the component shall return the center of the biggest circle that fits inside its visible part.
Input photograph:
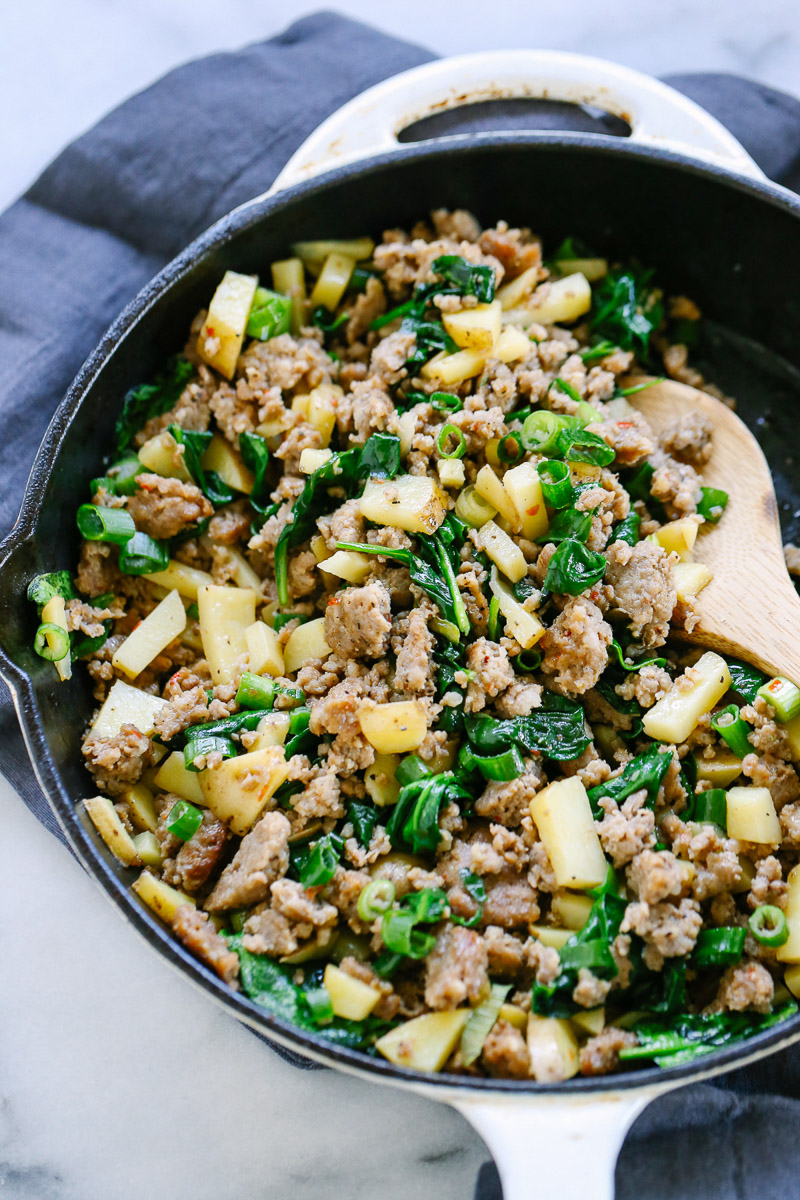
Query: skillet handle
(658, 115)
(556, 1148)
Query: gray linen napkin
(112, 209)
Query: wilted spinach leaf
(149, 400)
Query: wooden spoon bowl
(750, 609)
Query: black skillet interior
(733, 248)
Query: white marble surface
(117, 1079)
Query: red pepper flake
(209, 331)
(533, 511)
(774, 685)
(624, 424)
(333, 600)
(172, 678)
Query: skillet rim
(86, 847)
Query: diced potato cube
(513, 293)
(271, 731)
(163, 899)
(104, 817)
(523, 625)
(317, 251)
(220, 339)
(424, 1043)
(512, 345)
(333, 280)
(237, 791)
(319, 547)
(225, 616)
(187, 580)
(227, 462)
(571, 909)
(152, 635)
(305, 642)
(691, 578)
(349, 565)
(288, 278)
(173, 776)
(490, 487)
(563, 817)
(548, 935)
(55, 613)
(407, 425)
(752, 816)
(351, 999)
(322, 403)
(475, 328)
(451, 472)
(553, 302)
(721, 770)
(148, 849)
(162, 455)
(454, 368)
(410, 502)
(504, 553)
(790, 950)
(678, 536)
(523, 485)
(382, 787)
(553, 1048)
(792, 979)
(590, 1021)
(264, 655)
(593, 268)
(139, 800)
(393, 728)
(126, 705)
(311, 460)
(695, 693)
(514, 1015)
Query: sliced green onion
(480, 1023)
(317, 865)
(411, 769)
(446, 402)
(449, 575)
(578, 445)
(733, 729)
(494, 626)
(600, 350)
(99, 524)
(255, 691)
(447, 432)
(270, 315)
(61, 643)
(768, 925)
(472, 509)
(120, 479)
(712, 503)
(567, 389)
(387, 964)
(541, 430)
(719, 947)
(298, 720)
(204, 744)
(183, 820)
(496, 767)
(627, 530)
(711, 808)
(784, 697)
(528, 660)
(568, 523)
(510, 449)
(638, 387)
(143, 555)
(320, 1004)
(557, 487)
(375, 899)
(400, 936)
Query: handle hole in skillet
(492, 116)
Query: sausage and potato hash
(376, 595)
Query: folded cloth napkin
(119, 203)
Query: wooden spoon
(750, 609)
